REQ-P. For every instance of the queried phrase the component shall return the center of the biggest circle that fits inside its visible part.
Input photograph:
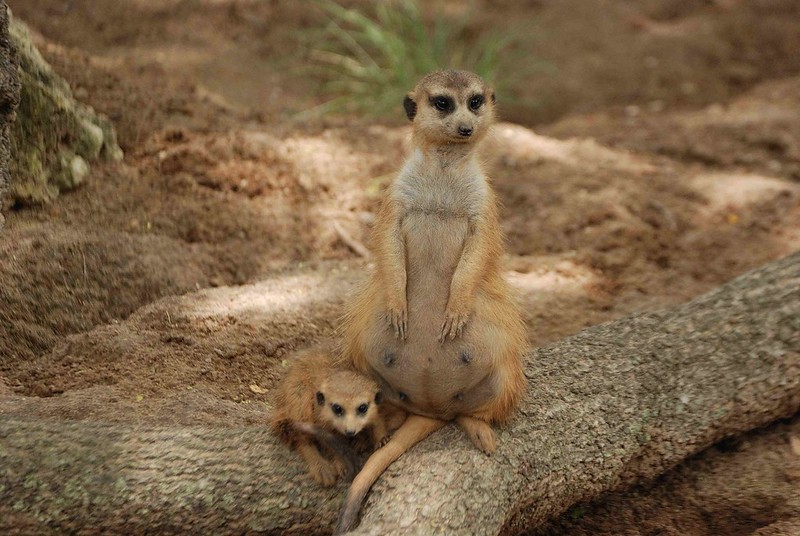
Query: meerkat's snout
(465, 131)
(352, 424)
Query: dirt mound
(186, 210)
(208, 346)
(50, 279)
(758, 131)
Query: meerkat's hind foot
(382, 442)
(479, 432)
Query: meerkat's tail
(414, 429)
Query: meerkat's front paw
(398, 320)
(454, 322)
(340, 467)
(325, 473)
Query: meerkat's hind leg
(479, 432)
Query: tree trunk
(9, 100)
(55, 138)
(613, 405)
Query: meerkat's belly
(420, 373)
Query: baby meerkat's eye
(337, 409)
(442, 104)
(362, 409)
(476, 102)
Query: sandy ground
(149, 294)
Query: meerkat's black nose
(350, 433)
(465, 131)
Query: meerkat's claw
(398, 318)
(453, 326)
(445, 331)
(381, 443)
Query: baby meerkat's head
(348, 402)
(450, 107)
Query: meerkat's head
(450, 107)
(348, 402)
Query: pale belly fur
(425, 376)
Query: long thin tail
(414, 429)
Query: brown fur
(436, 324)
(308, 393)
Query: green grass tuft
(368, 61)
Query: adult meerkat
(436, 324)
(316, 398)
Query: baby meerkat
(436, 323)
(316, 396)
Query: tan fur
(295, 401)
(436, 324)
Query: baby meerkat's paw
(397, 317)
(324, 472)
(341, 468)
(454, 322)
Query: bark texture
(616, 404)
(9, 100)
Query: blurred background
(649, 151)
(549, 58)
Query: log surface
(616, 404)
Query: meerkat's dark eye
(337, 409)
(475, 102)
(443, 104)
(362, 409)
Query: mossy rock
(54, 138)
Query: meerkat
(316, 398)
(436, 324)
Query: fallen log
(616, 404)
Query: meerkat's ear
(494, 96)
(320, 398)
(410, 107)
(379, 397)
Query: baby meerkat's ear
(320, 398)
(410, 107)
(494, 95)
(379, 397)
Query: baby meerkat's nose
(351, 433)
(465, 131)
